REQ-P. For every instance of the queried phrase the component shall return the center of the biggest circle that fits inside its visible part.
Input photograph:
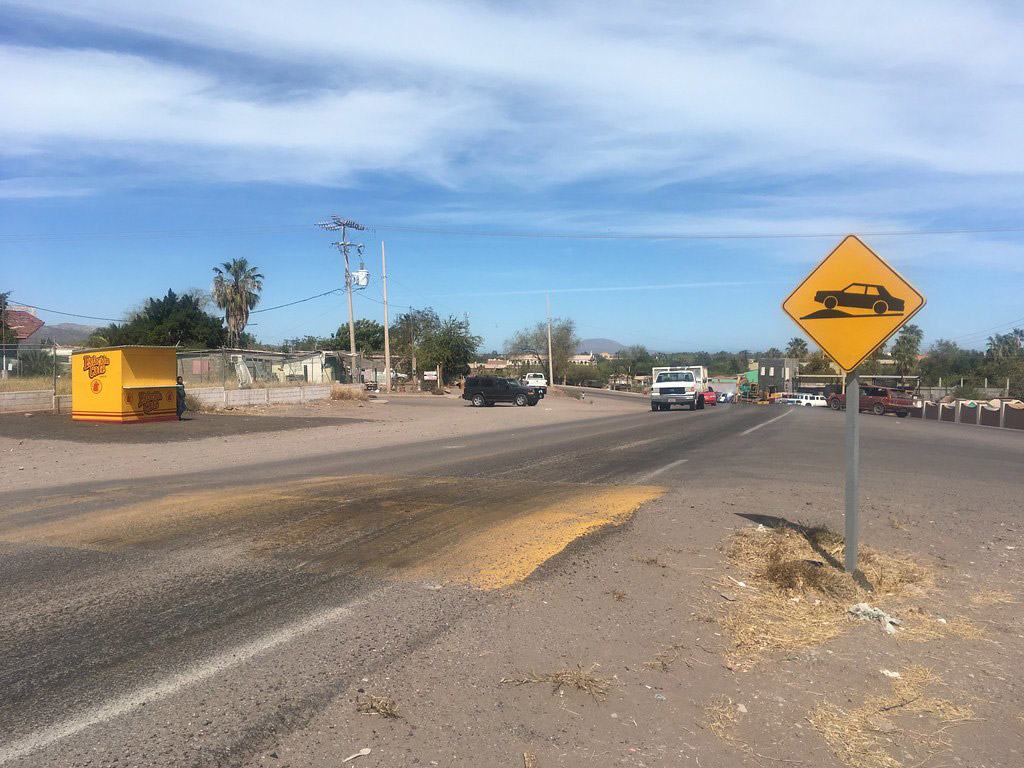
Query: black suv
(488, 390)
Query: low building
(777, 374)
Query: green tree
(8, 339)
(35, 362)
(772, 352)
(906, 348)
(369, 337)
(450, 345)
(797, 347)
(533, 341)
(818, 362)
(408, 334)
(169, 321)
(1005, 345)
(236, 290)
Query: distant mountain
(66, 333)
(597, 346)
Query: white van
(800, 398)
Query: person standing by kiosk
(181, 397)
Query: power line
(508, 234)
(378, 301)
(299, 301)
(684, 236)
(65, 314)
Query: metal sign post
(851, 304)
(852, 470)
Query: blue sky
(142, 143)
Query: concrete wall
(39, 400)
(216, 397)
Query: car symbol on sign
(861, 296)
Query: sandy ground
(644, 603)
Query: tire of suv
(655, 406)
(902, 414)
(520, 400)
(479, 401)
(700, 403)
(834, 404)
(878, 409)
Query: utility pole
(387, 330)
(338, 224)
(551, 362)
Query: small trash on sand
(761, 528)
(890, 674)
(890, 624)
(529, 760)
(361, 753)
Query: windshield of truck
(684, 376)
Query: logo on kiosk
(96, 386)
(149, 400)
(95, 365)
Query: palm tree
(236, 289)
(797, 347)
(906, 348)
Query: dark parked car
(488, 390)
(861, 296)
(878, 400)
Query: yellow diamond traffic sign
(852, 302)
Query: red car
(710, 397)
(878, 400)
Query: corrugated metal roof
(23, 323)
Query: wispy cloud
(529, 95)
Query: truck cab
(676, 387)
(538, 380)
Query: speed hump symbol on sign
(852, 302)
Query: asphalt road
(168, 625)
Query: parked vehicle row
(878, 400)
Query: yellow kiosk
(124, 384)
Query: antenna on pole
(338, 224)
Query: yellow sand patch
(482, 532)
(509, 551)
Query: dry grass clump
(579, 678)
(991, 597)
(618, 595)
(665, 658)
(797, 592)
(927, 626)
(377, 705)
(720, 716)
(342, 392)
(862, 737)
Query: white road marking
(635, 444)
(658, 471)
(765, 423)
(123, 705)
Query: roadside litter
(890, 624)
(361, 753)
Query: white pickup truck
(537, 380)
(676, 386)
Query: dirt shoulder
(643, 619)
(43, 450)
